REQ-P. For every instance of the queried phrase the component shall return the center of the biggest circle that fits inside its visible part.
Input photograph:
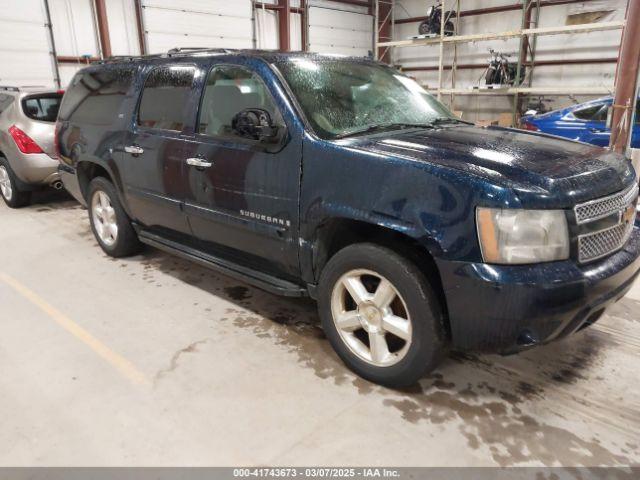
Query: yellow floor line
(124, 366)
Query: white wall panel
(267, 29)
(197, 23)
(25, 51)
(123, 28)
(67, 71)
(340, 31)
(74, 28)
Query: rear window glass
(43, 108)
(96, 97)
(164, 96)
(591, 113)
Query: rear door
(153, 153)
(243, 204)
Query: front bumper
(500, 308)
(71, 183)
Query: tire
(414, 336)
(105, 213)
(423, 28)
(449, 29)
(9, 189)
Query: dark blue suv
(342, 179)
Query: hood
(559, 171)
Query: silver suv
(27, 152)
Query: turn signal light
(24, 142)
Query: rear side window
(638, 113)
(594, 113)
(43, 108)
(164, 96)
(95, 97)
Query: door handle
(199, 162)
(134, 150)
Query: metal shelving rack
(528, 37)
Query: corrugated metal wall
(197, 23)
(336, 30)
(25, 50)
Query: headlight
(522, 236)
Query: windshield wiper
(382, 127)
(449, 120)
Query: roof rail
(127, 58)
(187, 50)
(7, 88)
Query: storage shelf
(586, 28)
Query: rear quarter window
(593, 112)
(43, 108)
(95, 97)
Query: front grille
(596, 245)
(603, 207)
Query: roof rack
(187, 50)
(174, 52)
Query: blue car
(586, 122)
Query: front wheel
(109, 222)
(381, 315)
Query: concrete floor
(155, 361)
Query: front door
(154, 152)
(243, 198)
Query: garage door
(333, 30)
(25, 53)
(197, 23)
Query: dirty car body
(439, 192)
(33, 112)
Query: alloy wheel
(371, 317)
(104, 218)
(5, 183)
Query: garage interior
(153, 360)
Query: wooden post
(103, 28)
(626, 79)
(284, 24)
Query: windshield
(341, 97)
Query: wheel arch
(87, 170)
(337, 233)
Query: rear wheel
(11, 193)
(381, 315)
(110, 223)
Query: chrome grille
(603, 207)
(596, 245)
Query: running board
(258, 279)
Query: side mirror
(256, 124)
